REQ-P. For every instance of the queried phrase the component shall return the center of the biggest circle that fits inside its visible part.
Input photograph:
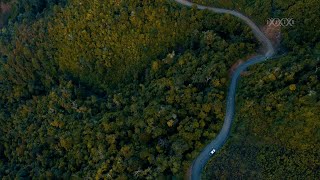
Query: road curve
(219, 141)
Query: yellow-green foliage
(107, 42)
(61, 116)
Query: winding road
(220, 140)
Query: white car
(212, 151)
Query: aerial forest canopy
(135, 89)
(276, 134)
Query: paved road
(220, 140)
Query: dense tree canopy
(135, 89)
(116, 90)
(276, 134)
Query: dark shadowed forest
(135, 89)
